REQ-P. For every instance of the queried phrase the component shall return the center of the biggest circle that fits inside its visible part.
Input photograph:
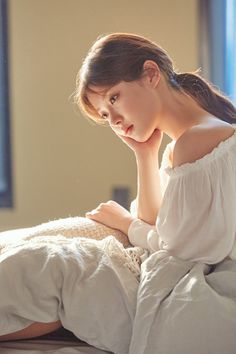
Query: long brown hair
(119, 57)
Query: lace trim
(130, 258)
(219, 150)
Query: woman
(129, 82)
(184, 209)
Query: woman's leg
(36, 329)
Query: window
(218, 44)
(5, 158)
(230, 62)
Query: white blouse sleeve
(197, 218)
(141, 233)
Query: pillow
(68, 227)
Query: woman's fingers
(111, 214)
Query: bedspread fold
(75, 280)
(185, 307)
(178, 307)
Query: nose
(115, 120)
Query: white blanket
(82, 282)
(42, 346)
(185, 307)
(179, 307)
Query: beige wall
(63, 165)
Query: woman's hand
(151, 145)
(113, 215)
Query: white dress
(186, 301)
(197, 218)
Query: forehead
(99, 94)
(100, 91)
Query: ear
(151, 72)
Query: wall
(62, 164)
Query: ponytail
(208, 97)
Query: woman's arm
(149, 196)
(148, 188)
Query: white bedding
(179, 307)
(185, 307)
(48, 347)
(82, 282)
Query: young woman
(129, 82)
(185, 207)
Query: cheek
(146, 105)
(129, 107)
(140, 106)
(145, 113)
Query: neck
(182, 113)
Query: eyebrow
(107, 94)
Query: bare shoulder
(199, 141)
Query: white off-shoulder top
(197, 218)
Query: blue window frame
(217, 20)
(230, 59)
(5, 154)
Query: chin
(143, 138)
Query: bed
(60, 341)
(176, 306)
(77, 269)
(50, 347)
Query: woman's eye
(113, 97)
(112, 100)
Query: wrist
(149, 157)
(126, 224)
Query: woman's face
(130, 108)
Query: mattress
(37, 346)
(60, 341)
